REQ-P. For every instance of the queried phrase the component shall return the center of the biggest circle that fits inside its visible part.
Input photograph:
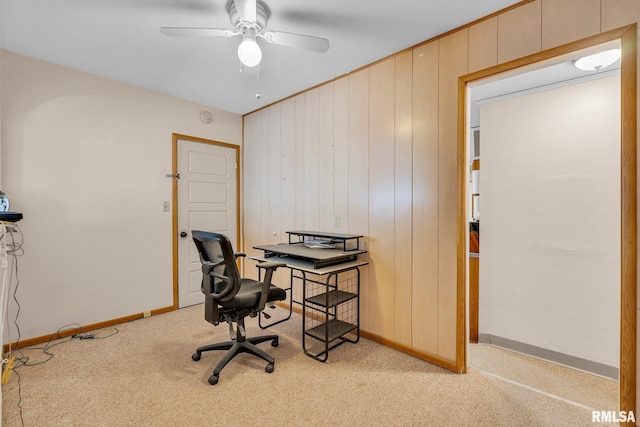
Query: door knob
(183, 234)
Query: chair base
(236, 347)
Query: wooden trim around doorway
(628, 164)
(174, 201)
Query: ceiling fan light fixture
(249, 52)
(598, 61)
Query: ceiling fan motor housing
(262, 16)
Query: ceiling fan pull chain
(258, 82)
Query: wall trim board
(629, 211)
(428, 357)
(174, 192)
(462, 240)
(554, 356)
(627, 37)
(409, 49)
(86, 328)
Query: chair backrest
(221, 278)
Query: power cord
(11, 249)
(83, 337)
(24, 361)
(79, 335)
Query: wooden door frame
(174, 196)
(628, 221)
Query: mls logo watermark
(612, 417)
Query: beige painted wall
(550, 196)
(391, 131)
(84, 159)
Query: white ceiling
(120, 40)
(545, 75)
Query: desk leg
(306, 312)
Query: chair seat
(249, 295)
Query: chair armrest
(207, 282)
(240, 255)
(269, 267)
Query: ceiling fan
(250, 18)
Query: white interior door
(207, 200)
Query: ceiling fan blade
(246, 9)
(316, 44)
(196, 32)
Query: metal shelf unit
(331, 312)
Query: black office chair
(230, 298)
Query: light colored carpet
(144, 376)
(592, 391)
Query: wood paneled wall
(377, 148)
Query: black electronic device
(10, 216)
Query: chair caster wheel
(195, 356)
(213, 379)
(275, 342)
(269, 368)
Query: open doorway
(627, 197)
(549, 271)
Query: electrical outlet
(146, 314)
(337, 222)
(166, 206)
